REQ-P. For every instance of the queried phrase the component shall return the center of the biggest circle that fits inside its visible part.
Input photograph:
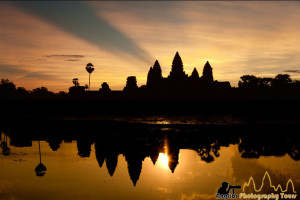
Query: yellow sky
(38, 49)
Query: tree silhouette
(89, 68)
(105, 88)
(7, 88)
(22, 92)
(281, 80)
(41, 92)
(253, 82)
(75, 82)
(265, 82)
(248, 81)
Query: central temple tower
(177, 73)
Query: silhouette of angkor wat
(177, 82)
(180, 86)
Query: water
(101, 168)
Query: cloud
(80, 20)
(70, 58)
(292, 71)
(73, 60)
(11, 69)
(65, 56)
(40, 75)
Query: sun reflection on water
(163, 160)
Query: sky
(48, 44)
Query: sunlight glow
(163, 122)
(163, 160)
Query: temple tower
(154, 75)
(177, 73)
(195, 74)
(207, 76)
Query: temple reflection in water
(161, 145)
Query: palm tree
(89, 68)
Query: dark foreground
(278, 108)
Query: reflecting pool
(154, 165)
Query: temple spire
(157, 69)
(195, 74)
(207, 76)
(154, 75)
(177, 72)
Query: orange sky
(49, 46)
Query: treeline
(8, 90)
(280, 81)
